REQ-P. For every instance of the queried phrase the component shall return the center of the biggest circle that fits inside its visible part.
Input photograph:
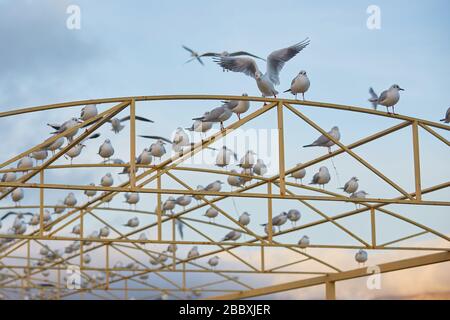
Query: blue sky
(134, 48)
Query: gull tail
(288, 90)
(199, 118)
(373, 98)
(309, 145)
(443, 120)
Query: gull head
(258, 75)
(302, 72)
(107, 141)
(397, 87)
(355, 178)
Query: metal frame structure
(25, 275)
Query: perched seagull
(266, 229)
(351, 185)
(132, 223)
(232, 235)
(323, 141)
(361, 256)
(104, 232)
(199, 197)
(132, 198)
(9, 177)
(17, 195)
(107, 180)
(244, 219)
(106, 150)
(66, 126)
(169, 204)
(299, 174)
(279, 220)
(387, 98)
(224, 156)
(183, 201)
(214, 186)
(143, 238)
(89, 111)
(90, 193)
(145, 158)
(157, 149)
(213, 262)
(70, 200)
(76, 229)
(238, 107)
(235, 181)
(201, 126)
(260, 168)
(300, 84)
(25, 163)
(275, 62)
(248, 160)
(55, 145)
(75, 151)
(172, 248)
(211, 213)
(294, 215)
(248, 173)
(303, 242)
(447, 117)
(39, 155)
(87, 258)
(219, 114)
(193, 253)
(322, 177)
(117, 126)
(359, 195)
(60, 207)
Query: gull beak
(401, 89)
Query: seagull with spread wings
(275, 62)
(196, 56)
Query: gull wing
(247, 66)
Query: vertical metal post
(158, 206)
(263, 264)
(269, 212)
(282, 168)
(417, 179)
(107, 267)
(373, 227)
(41, 203)
(133, 144)
(330, 290)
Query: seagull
(275, 62)
(9, 177)
(89, 111)
(17, 214)
(238, 107)
(145, 158)
(299, 174)
(214, 186)
(90, 193)
(447, 117)
(183, 201)
(55, 145)
(214, 261)
(303, 242)
(193, 253)
(232, 235)
(351, 185)
(39, 155)
(294, 215)
(235, 181)
(69, 124)
(323, 141)
(387, 98)
(359, 195)
(219, 114)
(106, 150)
(70, 200)
(107, 180)
(201, 126)
(247, 175)
(76, 229)
(157, 149)
(260, 167)
(60, 207)
(224, 156)
(169, 204)
(300, 84)
(25, 163)
(266, 229)
(143, 238)
(132, 223)
(247, 161)
(199, 197)
(211, 213)
(75, 151)
(194, 55)
(17, 195)
(361, 256)
(117, 126)
(322, 177)
(279, 220)
(244, 219)
(172, 248)
(132, 198)
(104, 232)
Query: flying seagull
(275, 62)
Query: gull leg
(303, 94)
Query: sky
(135, 49)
